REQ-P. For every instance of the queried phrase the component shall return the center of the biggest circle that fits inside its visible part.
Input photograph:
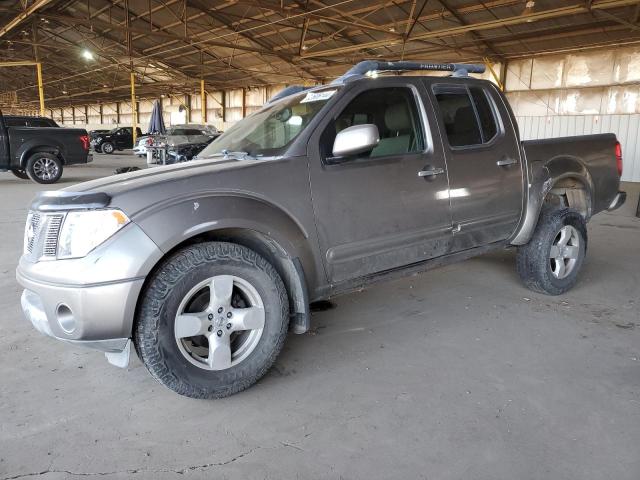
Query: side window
(467, 115)
(485, 113)
(392, 110)
(13, 122)
(37, 122)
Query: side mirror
(354, 140)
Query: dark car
(26, 121)
(40, 152)
(206, 265)
(94, 133)
(120, 138)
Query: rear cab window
(467, 113)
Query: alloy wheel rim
(219, 322)
(45, 168)
(564, 252)
(107, 148)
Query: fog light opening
(66, 320)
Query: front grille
(41, 235)
(34, 226)
(51, 239)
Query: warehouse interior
(459, 372)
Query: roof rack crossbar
(362, 68)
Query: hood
(180, 178)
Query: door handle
(430, 172)
(506, 161)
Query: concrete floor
(459, 373)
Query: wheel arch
(265, 229)
(28, 151)
(563, 180)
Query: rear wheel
(212, 320)
(21, 174)
(107, 147)
(552, 259)
(43, 167)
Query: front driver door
(374, 212)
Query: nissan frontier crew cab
(204, 266)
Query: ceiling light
(304, 47)
(391, 29)
(529, 7)
(64, 92)
(87, 54)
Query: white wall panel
(624, 126)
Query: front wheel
(43, 167)
(212, 320)
(107, 148)
(550, 262)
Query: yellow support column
(134, 110)
(203, 102)
(40, 88)
(495, 76)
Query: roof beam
(23, 16)
(488, 25)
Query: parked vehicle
(41, 153)
(94, 133)
(119, 138)
(26, 121)
(178, 135)
(205, 265)
(185, 151)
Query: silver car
(177, 135)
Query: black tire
(44, 167)
(534, 263)
(154, 337)
(107, 147)
(97, 149)
(21, 174)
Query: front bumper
(89, 301)
(618, 201)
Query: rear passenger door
(483, 160)
(374, 212)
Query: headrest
(397, 118)
(465, 120)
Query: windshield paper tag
(317, 96)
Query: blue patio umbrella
(156, 123)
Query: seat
(464, 130)
(397, 120)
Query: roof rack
(363, 68)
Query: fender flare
(542, 179)
(249, 221)
(33, 146)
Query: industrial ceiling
(88, 48)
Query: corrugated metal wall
(624, 126)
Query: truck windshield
(270, 131)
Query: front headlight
(83, 231)
(98, 140)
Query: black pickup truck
(119, 138)
(40, 153)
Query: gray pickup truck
(204, 266)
